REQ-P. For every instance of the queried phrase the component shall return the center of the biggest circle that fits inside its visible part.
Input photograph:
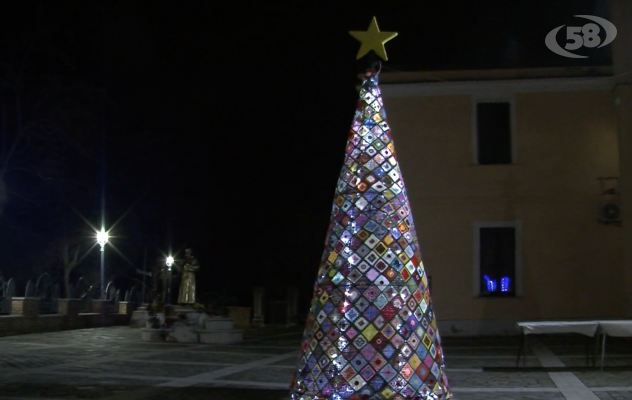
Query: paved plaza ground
(113, 363)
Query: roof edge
(395, 77)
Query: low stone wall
(17, 324)
(24, 317)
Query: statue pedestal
(198, 328)
(220, 330)
(193, 316)
(182, 333)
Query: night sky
(225, 125)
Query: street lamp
(102, 239)
(169, 263)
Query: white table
(586, 328)
(614, 328)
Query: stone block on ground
(218, 324)
(240, 315)
(25, 306)
(125, 307)
(139, 317)
(183, 333)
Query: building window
(497, 271)
(493, 133)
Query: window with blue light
(497, 261)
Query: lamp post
(169, 262)
(102, 239)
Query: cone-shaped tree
(371, 332)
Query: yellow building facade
(492, 158)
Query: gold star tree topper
(373, 39)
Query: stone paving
(113, 363)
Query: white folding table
(586, 328)
(614, 328)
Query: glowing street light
(102, 239)
(170, 261)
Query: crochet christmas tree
(371, 332)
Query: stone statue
(187, 283)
